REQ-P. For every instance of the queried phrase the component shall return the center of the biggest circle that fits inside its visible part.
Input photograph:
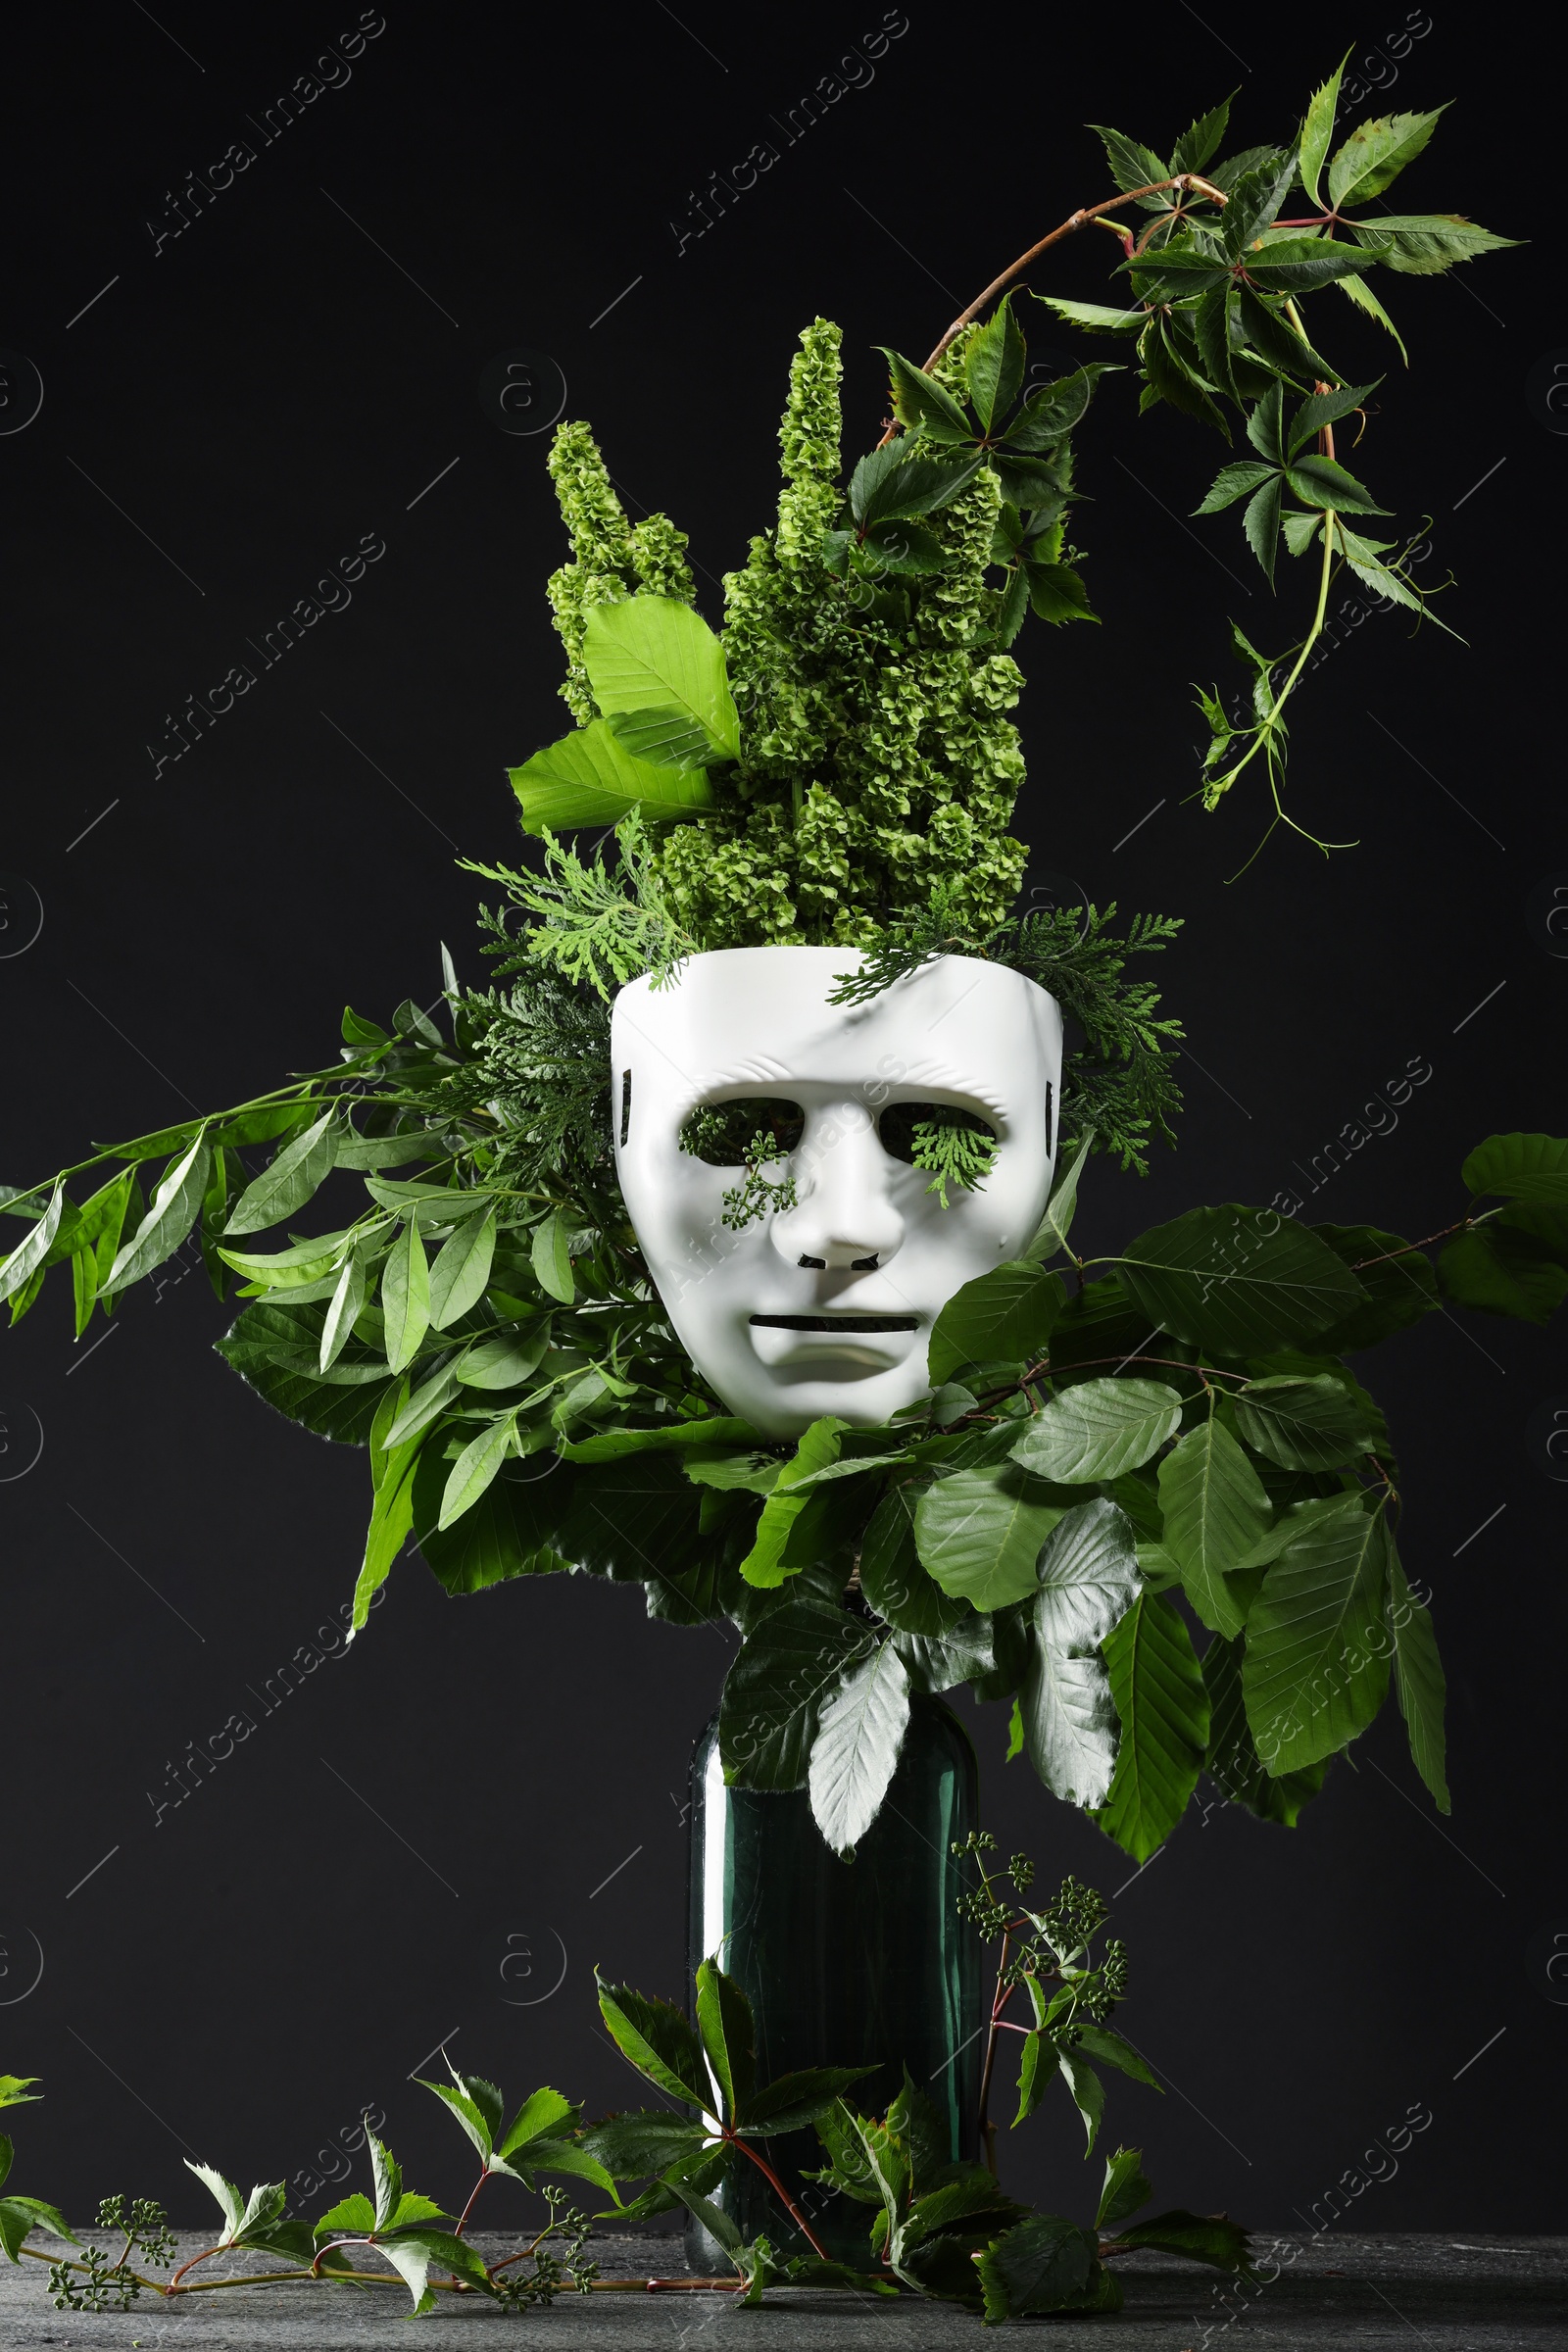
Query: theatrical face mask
(827, 1307)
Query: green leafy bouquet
(1176, 1441)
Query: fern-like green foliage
(597, 924)
(955, 1149)
(1118, 1084)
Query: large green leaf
(1375, 154)
(294, 1176)
(29, 1257)
(1159, 1687)
(1316, 1668)
(1003, 1316)
(1503, 1272)
(1304, 1424)
(1215, 1510)
(593, 778)
(765, 1565)
(1051, 1235)
(1533, 1168)
(1419, 1679)
(275, 1350)
(650, 652)
(1088, 1579)
(514, 1529)
(1097, 1429)
(1398, 1281)
(773, 1692)
(1070, 1725)
(979, 1533)
(636, 1519)
(921, 403)
(1301, 265)
(791, 2101)
(480, 1462)
(1043, 2265)
(1238, 1280)
(855, 1752)
(1233, 1762)
(892, 1579)
(1201, 2237)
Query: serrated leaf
(993, 361)
(1133, 165)
(1326, 408)
(1099, 317)
(1318, 129)
(1299, 265)
(1127, 2188)
(230, 2199)
(765, 1565)
(1261, 524)
(1201, 2237)
(293, 1177)
(1159, 1687)
(1215, 1509)
(592, 778)
(1235, 481)
(1321, 482)
(1375, 154)
(1316, 1670)
(1255, 199)
(792, 2101)
(1423, 244)
(855, 1752)
(1360, 293)
(904, 546)
(660, 2042)
(1087, 2091)
(1045, 2264)
(1057, 594)
(729, 2035)
(921, 404)
(1201, 139)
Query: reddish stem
(789, 2204)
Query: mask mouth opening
(835, 1322)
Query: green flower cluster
(878, 760)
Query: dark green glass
(857, 1963)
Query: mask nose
(845, 1215)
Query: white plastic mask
(827, 1306)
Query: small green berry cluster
(556, 2270)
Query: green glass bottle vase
(862, 1963)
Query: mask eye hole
(721, 1134)
(899, 1125)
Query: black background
(224, 422)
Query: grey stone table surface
(1454, 2293)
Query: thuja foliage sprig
(1118, 1086)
